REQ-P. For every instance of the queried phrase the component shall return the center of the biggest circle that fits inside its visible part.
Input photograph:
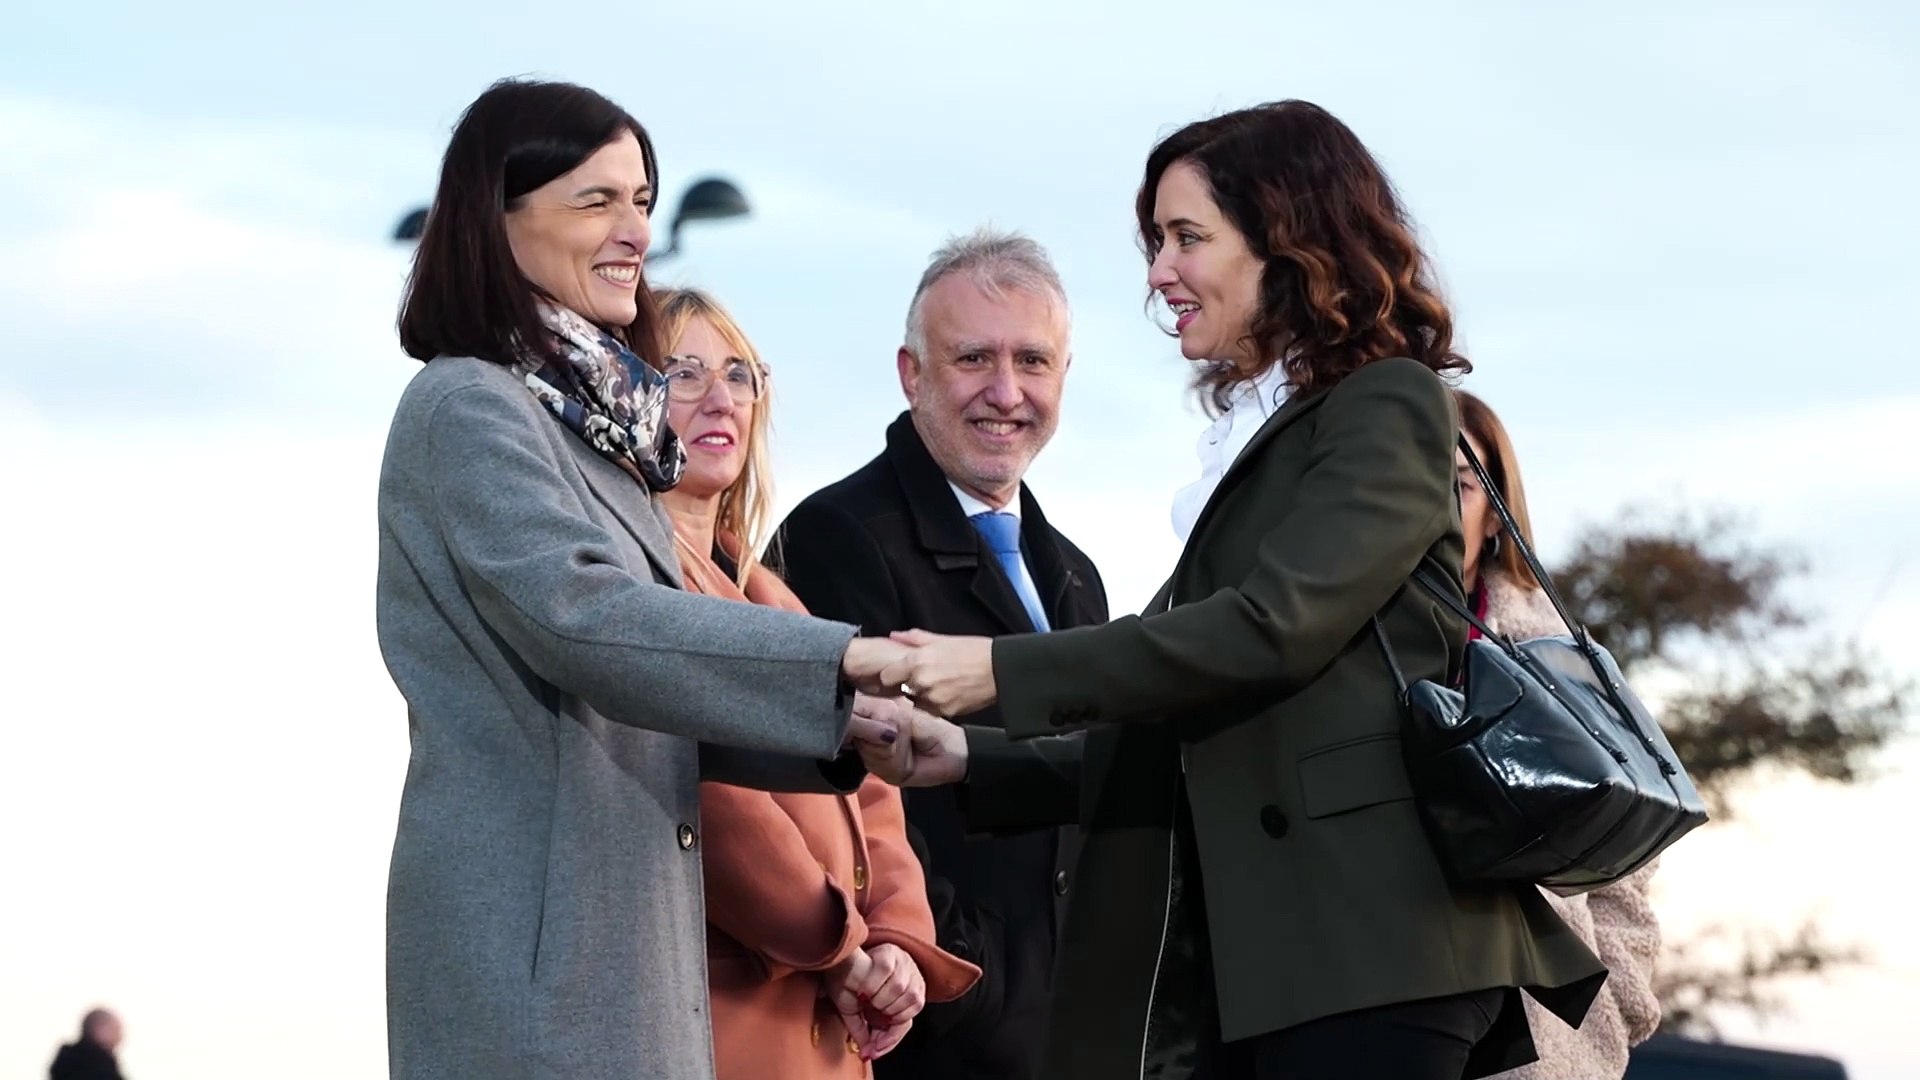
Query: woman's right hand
(877, 993)
(866, 658)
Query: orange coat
(795, 883)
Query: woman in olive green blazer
(1256, 895)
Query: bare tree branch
(1690, 592)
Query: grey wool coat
(564, 699)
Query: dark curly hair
(1345, 283)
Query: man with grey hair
(939, 533)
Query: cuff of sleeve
(981, 792)
(1025, 672)
(844, 773)
(946, 975)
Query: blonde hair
(746, 506)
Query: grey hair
(995, 260)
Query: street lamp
(709, 199)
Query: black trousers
(1413, 1040)
(1410, 1040)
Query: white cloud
(210, 286)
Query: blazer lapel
(644, 518)
(991, 588)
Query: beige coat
(1617, 921)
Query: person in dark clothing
(90, 1057)
(939, 531)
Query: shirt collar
(972, 506)
(1267, 392)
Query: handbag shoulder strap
(1423, 576)
(1393, 662)
(1512, 529)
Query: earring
(1491, 551)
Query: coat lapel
(944, 530)
(644, 518)
(1060, 587)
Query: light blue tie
(1002, 533)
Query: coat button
(1272, 820)
(1060, 883)
(686, 837)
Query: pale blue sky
(1678, 238)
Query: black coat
(889, 548)
(84, 1060)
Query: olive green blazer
(1255, 686)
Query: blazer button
(1060, 883)
(686, 837)
(1272, 820)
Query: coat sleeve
(546, 578)
(766, 890)
(897, 911)
(1627, 937)
(1378, 491)
(781, 772)
(1014, 785)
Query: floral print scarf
(621, 410)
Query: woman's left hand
(896, 988)
(949, 676)
(877, 993)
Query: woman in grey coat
(564, 697)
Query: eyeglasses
(689, 380)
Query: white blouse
(1252, 403)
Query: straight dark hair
(466, 295)
(1344, 282)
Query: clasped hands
(907, 684)
(877, 991)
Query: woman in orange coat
(820, 943)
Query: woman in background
(1617, 921)
(820, 942)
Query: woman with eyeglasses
(820, 941)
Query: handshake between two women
(907, 684)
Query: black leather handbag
(1541, 766)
